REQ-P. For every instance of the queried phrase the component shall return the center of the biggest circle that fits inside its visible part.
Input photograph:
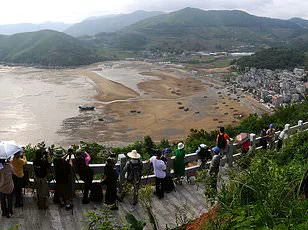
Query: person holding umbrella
(7, 150)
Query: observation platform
(56, 218)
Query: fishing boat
(86, 107)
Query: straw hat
(181, 145)
(133, 154)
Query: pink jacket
(87, 158)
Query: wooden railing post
(122, 160)
(287, 128)
(230, 157)
(253, 141)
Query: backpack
(134, 171)
(80, 165)
(204, 153)
(96, 193)
(221, 142)
(169, 184)
(41, 167)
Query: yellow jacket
(18, 165)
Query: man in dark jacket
(110, 180)
(214, 168)
(63, 174)
(41, 166)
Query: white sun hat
(133, 154)
(181, 145)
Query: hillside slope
(195, 29)
(44, 48)
(10, 29)
(111, 23)
(301, 22)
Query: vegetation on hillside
(273, 58)
(265, 192)
(45, 48)
(195, 29)
(108, 23)
(301, 22)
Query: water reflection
(35, 102)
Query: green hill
(10, 29)
(274, 58)
(44, 48)
(195, 29)
(301, 22)
(110, 23)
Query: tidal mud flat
(137, 98)
(132, 99)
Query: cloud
(16, 11)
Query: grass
(263, 191)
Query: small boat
(86, 107)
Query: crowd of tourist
(70, 166)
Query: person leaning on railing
(41, 166)
(18, 162)
(110, 180)
(133, 174)
(284, 134)
(159, 167)
(222, 140)
(84, 171)
(179, 165)
(271, 136)
(63, 174)
(214, 167)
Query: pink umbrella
(242, 137)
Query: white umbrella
(8, 149)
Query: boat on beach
(86, 107)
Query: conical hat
(133, 154)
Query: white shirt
(159, 167)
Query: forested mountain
(10, 29)
(45, 48)
(110, 23)
(187, 29)
(274, 58)
(195, 29)
(301, 22)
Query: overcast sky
(71, 11)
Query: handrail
(191, 157)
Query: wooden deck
(56, 218)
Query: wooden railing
(230, 157)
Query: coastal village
(272, 88)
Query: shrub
(265, 195)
